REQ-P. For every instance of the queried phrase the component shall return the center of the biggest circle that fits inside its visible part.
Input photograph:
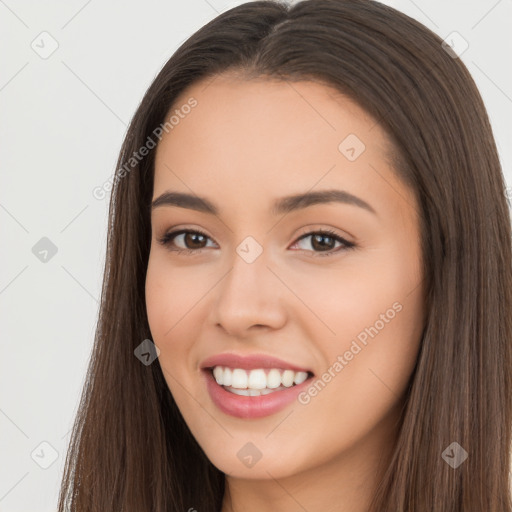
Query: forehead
(254, 111)
(249, 139)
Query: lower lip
(251, 406)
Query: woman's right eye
(169, 238)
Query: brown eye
(324, 242)
(192, 240)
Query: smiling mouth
(257, 382)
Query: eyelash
(168, 237)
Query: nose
(249, 298)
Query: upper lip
(250, 362)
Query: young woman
(308, 281)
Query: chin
(257, 460)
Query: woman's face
(261, 279)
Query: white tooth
(257, 379)
(227, 378)
(239, 378)
(287, 378)
(218, 374)
(243, 392)
(252, 392)
(273, 379)
(300, 377)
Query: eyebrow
(281, 206)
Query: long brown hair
(131, 449)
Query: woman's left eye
(325, 239)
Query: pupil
(194, 236)
(322, 246)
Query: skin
(246, 144)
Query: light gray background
(63, 119)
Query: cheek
(168, 299)
(374, 311)
(363, 384)
(168, 323)
(347, 299)
(368, 389)
(170, 296)
(377, 314)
